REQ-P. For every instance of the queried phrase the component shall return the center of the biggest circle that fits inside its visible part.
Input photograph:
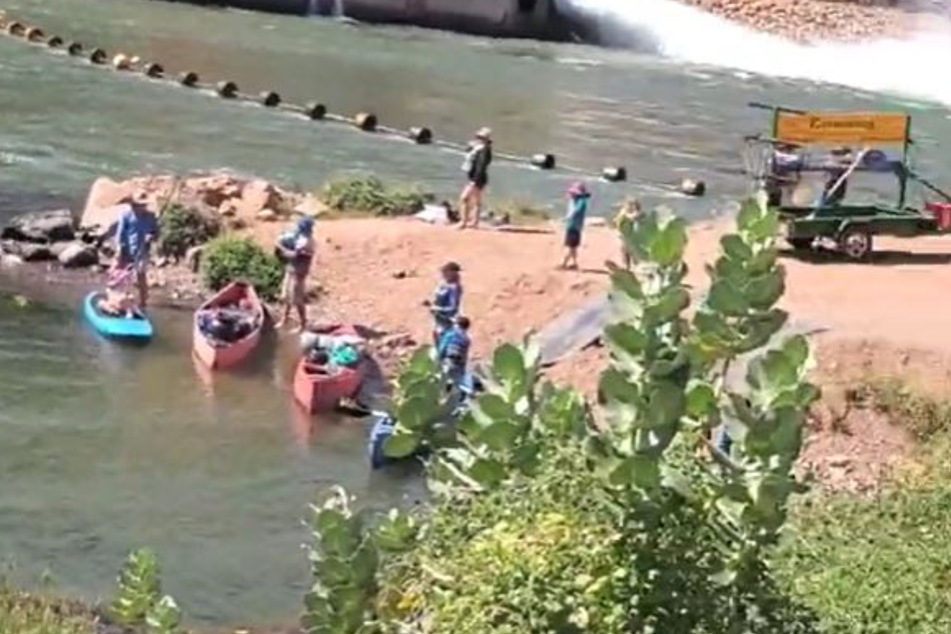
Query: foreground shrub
(23, 613)
(183, 228)
(139, 601)
(366, 194)
(543, 522)
(228, 259)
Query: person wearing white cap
(476, 167)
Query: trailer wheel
(800, 244)
(855, 243)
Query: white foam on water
(908, 67)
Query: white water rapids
(909, 67)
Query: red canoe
(218, 354)
(317, 390)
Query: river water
(103, 449)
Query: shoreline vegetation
(872, 446)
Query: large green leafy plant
(634, 523)
(140, 601)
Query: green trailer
(841, 146)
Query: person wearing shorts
(476, 167)
(297, 251)
(578, 198)
(138, 229)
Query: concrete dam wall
(499, 18)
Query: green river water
(103, 449)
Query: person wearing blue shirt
(138, 229)
(578, 198)
(447, 300)
(453, 350)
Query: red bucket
(941, 213)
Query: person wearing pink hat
(578, 200)
(476, 167)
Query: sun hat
(484, 133)
(578, 189)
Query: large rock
(40, 227)
(101, 223)
(78, 255)
(27, 251)
(104, 206)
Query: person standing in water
(447, 300)
(630, 210)
(138, 228)
(476, 167)
(578, 198)
(297, 250)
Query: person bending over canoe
(297, 251)
(447, 300)
(453, 350)
(138, 229)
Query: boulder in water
(27, 251)
(692, 187)
(40, 227)
(78, 255)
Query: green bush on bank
(228, 259)
(367, 194)
(183, 228)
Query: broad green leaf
(664, 407)
(401, 444)
(500, 435)
(667, 247)
(701, 401)
(508, 365)
(413, 414)
(488, 473)
(750, 213)
(489, 408)
(624, 281)
(626, 337)
(397, 532)
(761, 329)
(796, 350)
(734, 247)
(765, 290)
(668, 305)
(724, 297)
(614, 386)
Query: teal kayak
(137, 328)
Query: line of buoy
(315, 111)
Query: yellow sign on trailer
(868, 128)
